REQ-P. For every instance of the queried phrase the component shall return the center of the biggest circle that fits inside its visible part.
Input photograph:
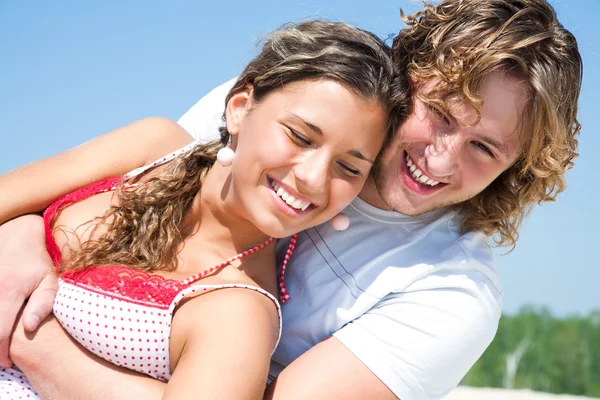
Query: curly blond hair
(144, 229)
(458, 43)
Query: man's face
(437, 160)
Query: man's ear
(237, 108)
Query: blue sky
(72, 70)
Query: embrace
(320, 227)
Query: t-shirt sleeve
(205, 118)
(422, 342)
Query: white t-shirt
(412, 298)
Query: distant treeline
(535, 350)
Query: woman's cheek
(343, 191)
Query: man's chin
(414, 207)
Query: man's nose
(442, 155)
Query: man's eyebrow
(502, 147)
(317, 130)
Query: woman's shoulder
(230, 312)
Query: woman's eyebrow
(319, 131)
(309, 125)
(360, 155)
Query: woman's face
(302, 154)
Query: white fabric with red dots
(14, 385)
(127, 332)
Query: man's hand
(52, 361)
(26, 271)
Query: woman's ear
(237, 108)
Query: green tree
(533, 349)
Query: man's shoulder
(205, 117)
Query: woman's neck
(216, 218)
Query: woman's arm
(229, 336)
(33, 187)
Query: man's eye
(299, 138)
(438, 114)
(484, 148)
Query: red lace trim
(73, 197)
(128, 284)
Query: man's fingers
(24, 263)
(40, 302)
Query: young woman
(170, 269)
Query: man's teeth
(418, 174)
(289, 199)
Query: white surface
(468, 393)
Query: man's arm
(33, 187)
(328, 371)
(25, 270)
(59, 368)
(414, 345)
(205, 118)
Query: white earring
(225, 156)
(340, 222)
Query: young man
(402, 303)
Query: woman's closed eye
(298, 138)
(348, 170)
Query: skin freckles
(438, 159)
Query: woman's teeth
(288, 198)
(418, 174)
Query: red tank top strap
(284, 295)
(73, 197)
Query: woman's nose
(313, 173)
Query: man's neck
(370, 195)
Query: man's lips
(416, 179)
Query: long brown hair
(144, 230)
